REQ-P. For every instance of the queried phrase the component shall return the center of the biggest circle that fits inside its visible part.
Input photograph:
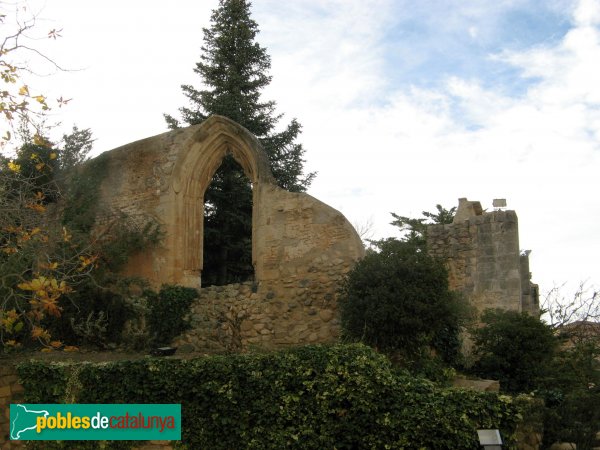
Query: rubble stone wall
(288, 311)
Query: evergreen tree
(415, 230)
(234, 70)
(75, 148)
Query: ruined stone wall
(482, 254)
(165, 177)
(303, 251)
(284, 312)
(301, 247)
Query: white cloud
(587, 13)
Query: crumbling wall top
(467, 209)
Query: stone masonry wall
(291, 311)
(164, 179)
(482, 254)
(10, 392)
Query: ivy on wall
(82, 196)
(124, 236)
(314, 397)
(167, 310)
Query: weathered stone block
(326, 315)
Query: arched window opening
(228, 227)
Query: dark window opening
(228, 227)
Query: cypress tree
(234, 70)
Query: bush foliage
(167, 310)
(515, 348)
(314, 397)
(57, 269)
(397, 300)
(527, 355)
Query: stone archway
(301, 247)
(295, 237)
(196, 164)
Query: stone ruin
(484, 261)
(301, 247)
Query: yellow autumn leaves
(45, 287)
(24, 92)
(45, 294)
(40, 262)
(9, 320)
(16, 103)
(16, 237)
(14, 167)
(39, 163)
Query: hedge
(313, 397)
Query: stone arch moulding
(196, 164)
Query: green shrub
(515, 348)
(167, 311)
(91, 316)
(43, 382)
(125, 239)
(572, 394)
(574, 418)
(314, 397)
(397, 300)
(82, 194)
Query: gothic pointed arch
(196, 164)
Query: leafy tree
(560, 362)
(571, 389)
(39, 263)
(48, 263)
(416, 229)
(515, 348)
(234, 70)
(37, 164)
(397, 300)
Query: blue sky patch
(427, 46)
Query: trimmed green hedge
(314, 397)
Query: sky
(404, 104)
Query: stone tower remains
(485, 264)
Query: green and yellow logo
(45, 422)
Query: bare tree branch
(582, 306)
